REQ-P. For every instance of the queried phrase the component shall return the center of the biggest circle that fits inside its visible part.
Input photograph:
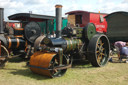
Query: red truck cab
(82, 18)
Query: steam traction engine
(20, 41)
(16, 39)
(54, 55)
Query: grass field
(17, 73)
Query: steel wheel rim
(98, 50)
(56, 73)
(102, 51)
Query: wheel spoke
(98, 46)
(98, 57)
(54, 71)
(102, 44)
(97, 51)
(102, 49)
(101, 54)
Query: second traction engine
(54, 55)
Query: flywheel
(38, 42)
(32, 30)
(89, 31)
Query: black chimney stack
(58, 20)
(1, 20)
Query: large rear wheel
(98, 50)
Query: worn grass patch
(17, 73)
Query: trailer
(117, 26)
(82, 18)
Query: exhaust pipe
(1, 20)
(58, 20)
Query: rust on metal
(37, 42)
(63, 67)
(26, 43)
(18, 28)
(18, 35)
(58, 6)
(42, 60)
(2, 58)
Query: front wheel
(47, 64)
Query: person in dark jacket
(124, 52)
(118, 45)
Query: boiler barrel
(15, 43)
(66, 43)
(73, 44)
(18, 32)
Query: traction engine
(53, 55)
(15, 40)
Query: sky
(47, 7)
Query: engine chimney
(1, 20)
(58, 20)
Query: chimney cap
(58, 6)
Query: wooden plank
(71, 20)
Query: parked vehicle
(54, 55)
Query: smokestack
(58, 20)
(1, 20)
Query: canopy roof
(30, 17)
(81, 11)
(115, 13)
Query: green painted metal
(51, 25)
(64, 24)
(79, 32)
(68, 44)
(72, 44)
(60, 56)
(43, 26)
(90, 31)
